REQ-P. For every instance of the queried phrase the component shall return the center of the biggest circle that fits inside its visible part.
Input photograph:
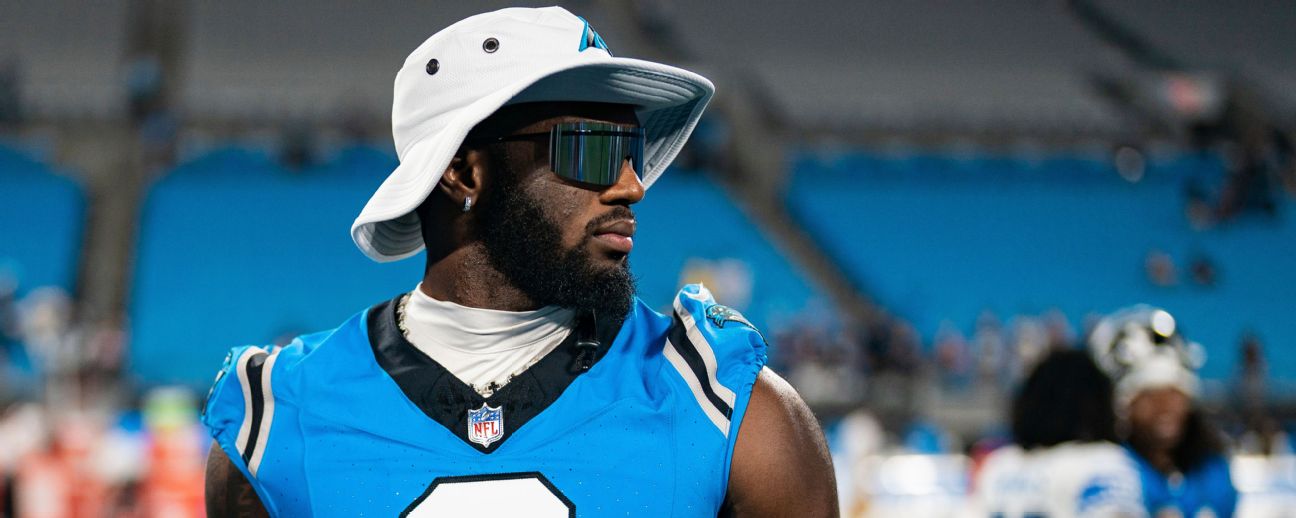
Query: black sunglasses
(588, 152)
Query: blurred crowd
(76, 443)
(844, 367)
(98, 462)
(1110, 424)
(45, 353)
(835, 362)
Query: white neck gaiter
(481, 346)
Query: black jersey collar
(447, 400)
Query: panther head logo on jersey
(719, 314)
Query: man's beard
(525, 245)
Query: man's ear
(464, 176)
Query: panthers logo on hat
(591, 38)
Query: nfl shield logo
(486, 424)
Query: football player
(521, 377)
(1065, 461)
(1179, 455)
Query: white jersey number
(489, 496)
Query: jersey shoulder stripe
(714, 361)
(248, 369)
(239, 411)
(252, 366)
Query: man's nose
(628, 190)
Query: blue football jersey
(1206, 492)
(638, 419)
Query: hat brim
(668, 100)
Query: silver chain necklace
(486, 390)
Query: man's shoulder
(1106, 451)
(697, 329)
(780, 460)
(243, 361)
(305, 346)
(1006, 457)
(241, 404)
(710, 351)
(1085, 462)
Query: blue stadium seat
(41, 221)
(234, 161)
(228, 259)
(358, 159)
(934, 250)
(690, 231)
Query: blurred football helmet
(1142, 347)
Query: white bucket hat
(466, 72)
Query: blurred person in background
(953, 359)
(1065, 460)
(1181, 458)
(11, 347)
(990, 347)
(1160, 269)
(1250, 391)
(1030, 340)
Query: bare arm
(228, 491)
(781, 465)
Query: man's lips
(617, 235)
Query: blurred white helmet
(1141, 348)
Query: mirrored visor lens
(594, 152)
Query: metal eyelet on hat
(490, 45)
(432, 66)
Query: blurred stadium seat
(41, 219)
(234, 250)
(691, 231)
(1071, 234)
